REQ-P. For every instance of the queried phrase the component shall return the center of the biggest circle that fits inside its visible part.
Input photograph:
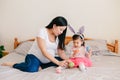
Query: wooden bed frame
(112, 47)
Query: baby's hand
(88, 48)
(76, 51)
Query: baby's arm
(88, 52)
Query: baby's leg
(82, 67)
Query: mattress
(105, 67)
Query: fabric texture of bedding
(98, 46)
(12, 57)
(105, 67)
(24, 47)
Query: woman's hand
(63, 63)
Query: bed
(105, 58)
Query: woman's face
(57, 30)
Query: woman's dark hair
(59, 21)
(77, 36)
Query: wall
(23, 18)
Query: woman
(42, 53)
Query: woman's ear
(54, 25)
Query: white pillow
(24, 47)
(97, 46)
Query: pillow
(24, 47)
(68, 48)
(97, 46)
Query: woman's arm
(62, 54)
(41, 45)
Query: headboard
(112, 47)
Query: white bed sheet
(104, 68)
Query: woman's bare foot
(40, 68)
(8, 64)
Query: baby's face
(77, 43)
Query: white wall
(23, 18)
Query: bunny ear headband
(80, 31)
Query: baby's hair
(79, 36)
